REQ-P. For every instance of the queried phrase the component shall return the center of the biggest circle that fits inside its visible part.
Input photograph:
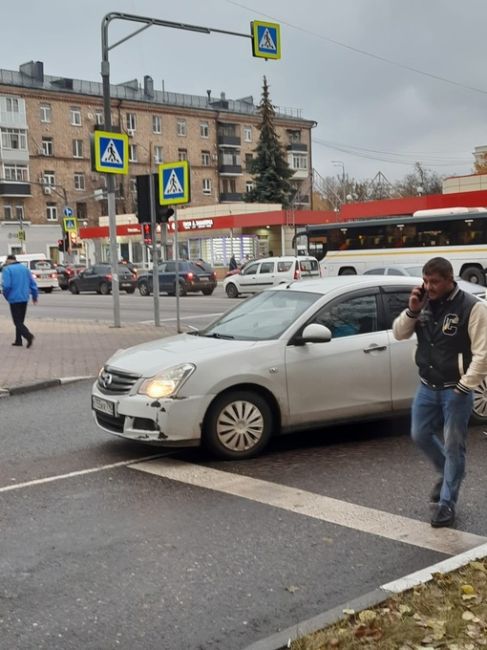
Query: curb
(40, 385)
(283, 639)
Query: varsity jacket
(452, 340)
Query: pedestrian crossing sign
(111, 152)
(174, 183)
(70, 224)
(266, 40)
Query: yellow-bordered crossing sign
(266, 39)
(111, 152)
(174, 183)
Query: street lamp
(339, 163)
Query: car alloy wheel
(479, 413)
(239, 425)
(231, 290)
(144, 289)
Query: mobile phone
(422, 292)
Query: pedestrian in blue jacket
(17, 285)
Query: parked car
(194, 276)
(309, 353)
(417, 271)
(270, 272)
(42, 269)
(99, 278)
(66, 272)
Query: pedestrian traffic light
(60, 245)
(147, 233)
(163, 213)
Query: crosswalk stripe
(342, 513)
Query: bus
(351, 247)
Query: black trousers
(18, 311)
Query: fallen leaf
(367, 616)
(468, 616)
(469, 596)
(292, 589)
(350, 612)
(405, 609)
(478, 566)
(467, 589)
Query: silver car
(314, 352)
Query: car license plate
(125, 285)
(102, 405)
(203, 279)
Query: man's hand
(417, 299)
(34, 301)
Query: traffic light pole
(155, 256)
(176, 259)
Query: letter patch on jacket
(450, 323)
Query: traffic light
(60, 245)
(147, 233)
(163, 213)
(67, 242)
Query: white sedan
(315, 352)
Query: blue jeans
(439, 425)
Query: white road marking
(81, 472)
(185, 317)
(342, 513)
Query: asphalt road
(195, 309)
(110, 556)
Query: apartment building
(45, 157)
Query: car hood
(147, 359)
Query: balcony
(297, 146)
(229, 140)
(11, 188)
(230, 197)
(230, 170)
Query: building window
(14, 139)
(207, 186)
(156, 124)
(247, 134)
(132, 152)
(131, 121)
(181, 127)
(16, 173)
(99, 119)
(12, 105)
(229, 186)
(49, 178)
(182, 154)
(133, 186)
(205, 158)
(79, 181)
(294, 136)
(249, 186)
(300, 161)
(13, 212)
(158, 154)
(81, 211)
(51, 212)
(204, 130)
(77, 148)
(46, 112)
(248, 161)
(47, 147)
(75, 114)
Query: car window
(282, 267)
(380, 271)
(393, 271)
(308, 266)
(396, 302)
(201, 264)
(41, 265)
(353, 315)
(267, 267)
(249, 270)
(170, 267)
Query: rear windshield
(308, 266)
(41, 265)
(284, 266)
(201, 264)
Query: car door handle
(375, 348)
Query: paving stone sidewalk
(66, 348)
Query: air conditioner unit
(47, 190)
(131, 133)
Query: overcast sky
(347, 64)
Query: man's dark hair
(11, 258)
(438, 265)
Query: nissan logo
(106, 379)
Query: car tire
(182, 291)
(207, 292)
(144, 289)
(47, 290)
(479, 412)
(231, 290)
(474, 275)
(104, 288)
(73, 287)
(238, 425)
(130, 290)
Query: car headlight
(168, 382)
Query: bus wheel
(473, 274)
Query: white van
(269, 272)
(42, 269)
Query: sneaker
(436, 491)
(30, 340)
(444, 516)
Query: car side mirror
(315, 333)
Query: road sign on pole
(174, 183)
(68, 212)
(70, 224)
(111, 152)
(266, 40)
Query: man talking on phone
(451, 355)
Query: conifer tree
(270, 170)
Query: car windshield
(264, 316)
(416, 271)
